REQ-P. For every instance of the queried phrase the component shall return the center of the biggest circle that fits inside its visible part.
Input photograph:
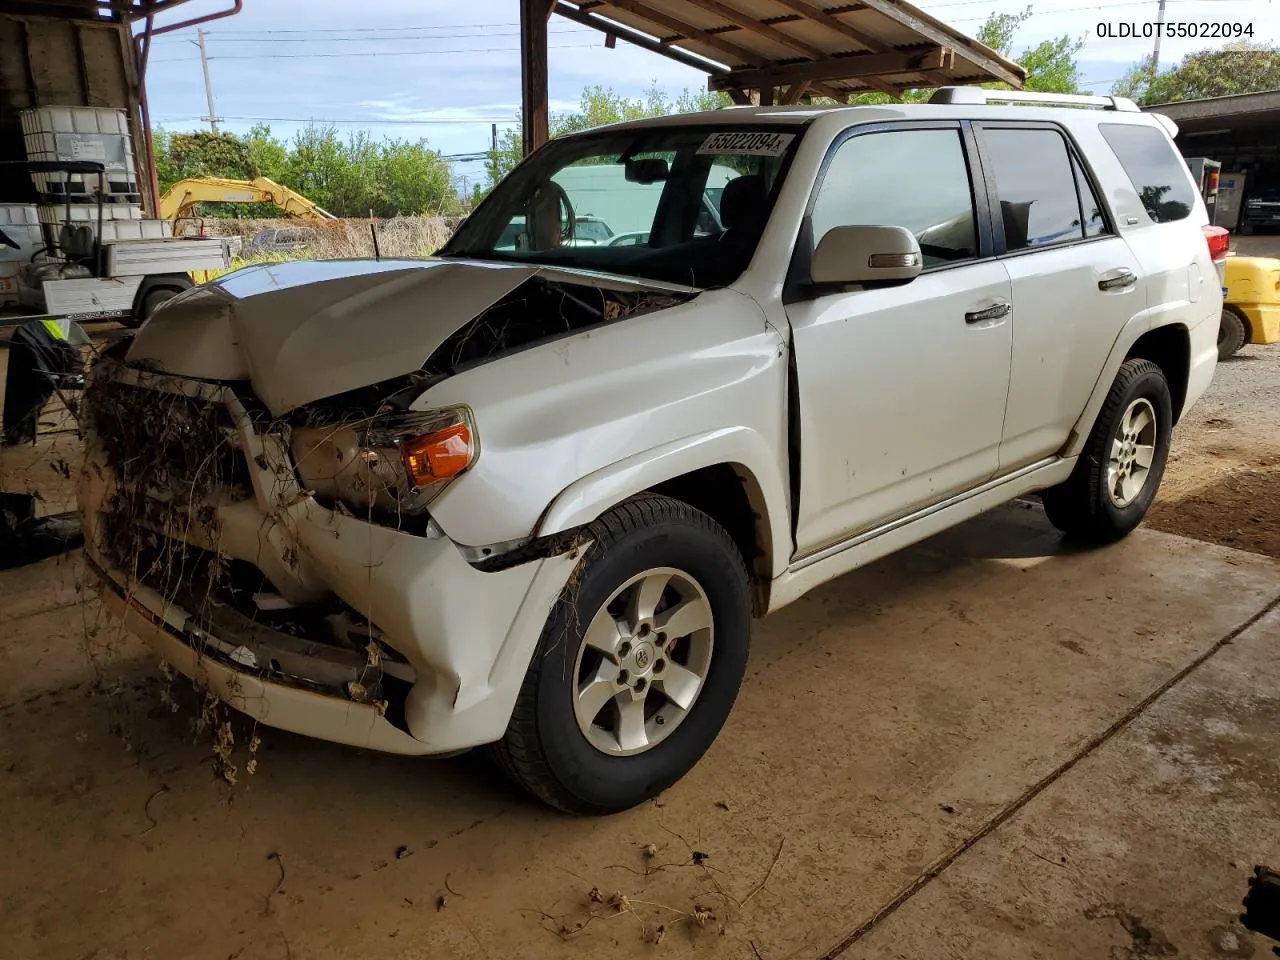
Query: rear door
(1075, 282)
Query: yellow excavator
(181, 199)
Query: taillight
(1219, 240)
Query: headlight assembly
(390, 463)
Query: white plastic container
(57, 213)
(29, 238)
(18, 214)
(135, 229)
(100, 134)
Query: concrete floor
(918, 747)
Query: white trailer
(88, 268)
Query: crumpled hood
(305, 330)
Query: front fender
(587, 498)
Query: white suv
(533, 497)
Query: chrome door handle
(1115, 279)
(997, 310)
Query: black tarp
(40, 362)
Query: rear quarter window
(1154, 168)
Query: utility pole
(208, 84)
(1155, 54)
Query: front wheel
(1115, 480)
(639, 663)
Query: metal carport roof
(796, 46)
(771, 51)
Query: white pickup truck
(532, 498)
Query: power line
(369, 120)
(372, 53)
(222, 38)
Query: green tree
(349, 177)
(1234, 69)
(199, 154)
(1051, 64)
(267, 156)
(599, 106)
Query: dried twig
(760, 886)
(146, 809)
(1040, 856)
(279, 863)
(448, 887)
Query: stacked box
(100, 134)
(21, 224)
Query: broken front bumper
(447, 644)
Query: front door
(901, 390)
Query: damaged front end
(285, 555)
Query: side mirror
(866, 254)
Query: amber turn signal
(437, 456)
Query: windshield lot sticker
(747, 144)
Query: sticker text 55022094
(747, 144)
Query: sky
(446, 71)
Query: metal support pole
(533, 74)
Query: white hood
(309, 329)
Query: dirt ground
(1222, 483)
(990, 746)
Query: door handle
(997, 310)
(1115, 279)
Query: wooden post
(533, 74)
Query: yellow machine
(1251, 307)
(181, 199)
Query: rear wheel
(1231, 333)
(639, 663)
(1115, 480)
(151, 302)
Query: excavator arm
(180, 200)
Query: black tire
(150, 302)
(1246, 229)
(544, 750)
(1081, 506)
(1232, 333)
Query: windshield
(679, 204)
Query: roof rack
(970, 96)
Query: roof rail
(970, 96)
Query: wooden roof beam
(817, 15)
(935, 32)
(713, 40)
(661, 46)
(860, 66)
(687, 30)
(751, 25)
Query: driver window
(916, 179)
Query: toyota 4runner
(532, 495)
